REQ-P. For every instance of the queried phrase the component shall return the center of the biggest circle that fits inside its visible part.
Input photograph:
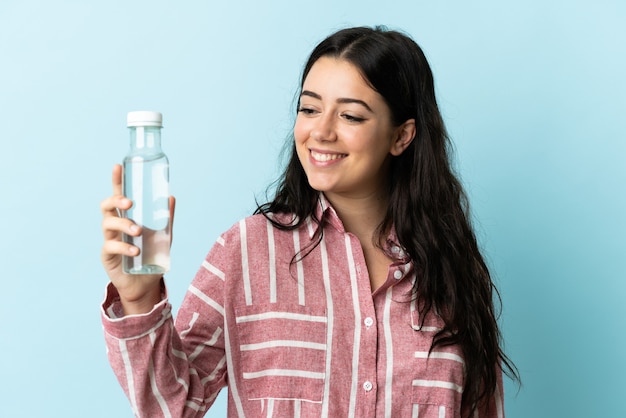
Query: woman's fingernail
(134, 229)
(132, 250)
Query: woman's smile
(326, 156)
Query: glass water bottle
(146, 184)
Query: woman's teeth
(325, 157)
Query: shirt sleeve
(166, 367)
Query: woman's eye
(352, 118)
(306, 110)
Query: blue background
(533, 94)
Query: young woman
(358, 291)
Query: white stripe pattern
(193, 405)
(427, 328)
(284, 372)
(153, 384)
(203, 297)
(216, 334)
(245, 268)
(440, 355)
(111, 312)
(309, 227)
(272, 260)
(208, 343)
(232, 385)
(357, 328)
(182, 355)
(297, 406)
(329, 328)
(299, 267)
(442, 411)
(218, 368)
(280, 315)
(388, 351)
(212, 269)
(282, 343)
(194, 318)
(438, 384)
(417, 326)
(130, 381)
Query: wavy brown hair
(428, 207)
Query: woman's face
(343, 132)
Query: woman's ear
(404, 135)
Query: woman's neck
(360, 215)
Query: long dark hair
(428, 207)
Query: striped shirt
(290, 338)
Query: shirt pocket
(283, 351)
(438, 375)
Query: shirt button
(368, 322)
(397, 274)
(367, 386)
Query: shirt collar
(325, 212)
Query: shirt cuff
(122, 326)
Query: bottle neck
(145, 139)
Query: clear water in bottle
(146, 184)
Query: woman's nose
(324, 129)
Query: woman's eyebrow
(340, 100)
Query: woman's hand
(138, 293)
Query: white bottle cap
(144, 118)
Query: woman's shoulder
(259, 223)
